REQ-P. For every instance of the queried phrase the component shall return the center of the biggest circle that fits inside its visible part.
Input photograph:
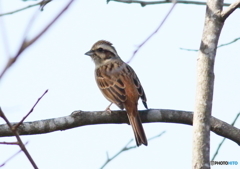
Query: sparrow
(119, 84)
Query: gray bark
(83, 118)
(214, 21)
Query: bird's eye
(100, 49)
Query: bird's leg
(108, 108)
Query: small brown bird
(119, 84)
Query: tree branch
(20, 143)
(205, 85)
(152, 34)
(13, 129)
(31, 110)
(224, 44)
(26, 43)
(10, 158)
(41, 4)
(230, 9)
(83, 118)
(126, 148)
(144, 3)
(220, 145)
(9, 143)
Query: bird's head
(102, 52)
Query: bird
(119, 84)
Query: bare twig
(41, 4)
(16, 126)
(225, 44)
(144, 3)
(122, 150)
(9, 143)
(152, 34)
(27, 43)
(4, 163)
(126, 148)
(23, 148)
(4, 38)
(159, 135)
(220, 145)
(15, 132)
(192, 50)
(230, 9)
(44, 3)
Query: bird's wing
(139, 87)
(109, 80)
(112, 79)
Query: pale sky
(168, 75)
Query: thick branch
(205, 85)
(83, 118)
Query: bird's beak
(89, 53)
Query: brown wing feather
(139, 88)
(111, 85)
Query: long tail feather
(138, 130)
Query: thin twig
(145, 3)
(126, 148)
(26, 43)
(220, 145)
(229, 42)
(3, 164)
(192, 50)
(14, 131)
(9, 143)
(159, 135)
(148, 38)
(122, 150)
(23, 148)
(225, 44)
(4, 38)
(41, 4)
(31, 110)
(44, 3)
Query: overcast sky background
(168, 75)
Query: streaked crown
(102, 52)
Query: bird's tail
(138, 130)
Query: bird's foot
(108, 109)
